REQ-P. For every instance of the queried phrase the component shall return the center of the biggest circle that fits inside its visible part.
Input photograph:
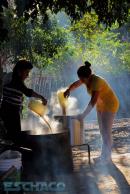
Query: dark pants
(12, 123)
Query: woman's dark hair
(85, 70)
(20, 66)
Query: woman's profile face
(83, 79)
(24, 74)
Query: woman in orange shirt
(106, 102)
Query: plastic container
(37, 107)
(62, 101)
(61, 98)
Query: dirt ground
(113, 178)
(105, 179)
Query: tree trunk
(2, 129)
(1, 78)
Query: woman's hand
(44, 101)
(67, 93)
(79, 117)
(72, 87)
(36, 95)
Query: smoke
(37, 125)
(47, 124)
(55, 126)
(71, 107)
(33, 124)
(54, 105)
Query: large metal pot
(75, 128)
(51, 153)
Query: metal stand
(80, 146)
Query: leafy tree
(41, 42)
(104, 48)
(108, 11)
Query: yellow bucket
(61, 98)
(62, 101)
(38, 107)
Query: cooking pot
(75, 128)
(37, 141)
(64, 120)
(51, 152)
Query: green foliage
(102, 47)
(44, 43)
(108, 11)
(125, 56)
(49, 45)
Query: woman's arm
(91, 104)
(75, 85)
(72, 87)
(30, 93)
(36, 95)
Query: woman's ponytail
(87, 64)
